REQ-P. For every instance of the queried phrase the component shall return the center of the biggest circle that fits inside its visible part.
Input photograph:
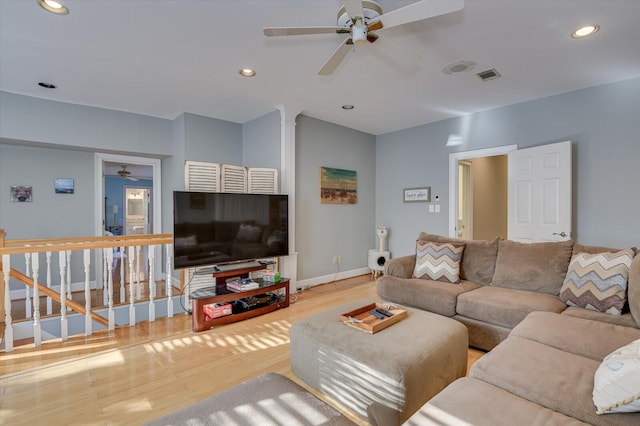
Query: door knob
(562, 234)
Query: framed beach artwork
(63, 185)
(338, 186)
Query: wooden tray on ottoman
(371, 324)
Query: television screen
(212, 228)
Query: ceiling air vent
(489, 74)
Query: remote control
(376, 314)
(384, 312)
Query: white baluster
(138, 286)
(8, 327)
(49, 299)
(87, 293)
(69, 276)
(152, 284)
(27, 291)
(111, 314)
(122, 283)
(37, 331)
(64, 326)
(168, 274)
(105, 280)
(132, 308)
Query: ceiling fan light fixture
(247, 72)
(359, 32)
(585, 31)
(53, 6)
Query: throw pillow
(249, 233)
(598, 281)
(438, 262)
(479, 260)
(617, 381)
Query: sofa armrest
(401, 267)
(634, 289)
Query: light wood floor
(136, 374)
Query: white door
(540, 193)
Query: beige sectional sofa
(544, 355)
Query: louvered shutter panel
(234, 178)
(262, 181)
(201, 176)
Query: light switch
(437, 208)
(430, 208)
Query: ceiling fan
(126, 174)
(360, 18)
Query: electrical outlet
(335, 259)
(339, 259)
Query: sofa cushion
(539, 267)
(625, 320)
(633, 290)
(479, 258)
(596, 339)
(598, 281)
(617, 381)
(432, 296)
(581, 248)
(504, 306)
(438, 261)
(558, 380)
(469, 401)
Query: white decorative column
(288, 114)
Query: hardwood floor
(136, 374)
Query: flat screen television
(213, 228)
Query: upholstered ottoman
(385, 376)
(269, 399)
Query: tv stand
(219, 294)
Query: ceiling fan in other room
(126, 174)
(360, 19)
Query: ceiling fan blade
(336, 59)
(353, 7)
(415, 12)
(133, 179)
(276, 32)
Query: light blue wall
(603, 122)
(49, 215)
(23, 118)
(212, 140)
(327, 230)
(261, 141)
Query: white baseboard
(324, 279)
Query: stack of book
(242, 285)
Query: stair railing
(106, 249)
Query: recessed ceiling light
(53, 7)
(458, 67)
(348, 107)
(47, 85)
(247, 72)
(585, 31)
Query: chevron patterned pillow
(598, 281)
(438, 262)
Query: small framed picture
(64, 186)
(21, 193)
(416, 195)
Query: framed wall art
(416, 195)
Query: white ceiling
(166, 57)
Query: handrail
(106, 247)
(81, 243)
(55, 296)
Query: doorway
(476, 230)
(137, 208)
